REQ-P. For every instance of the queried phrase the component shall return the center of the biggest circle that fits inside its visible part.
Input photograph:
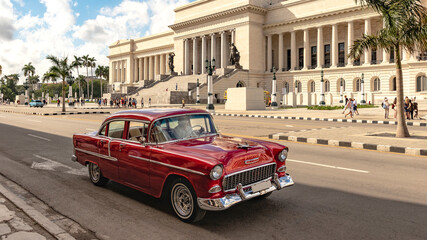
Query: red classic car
(179, 154)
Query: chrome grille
(248, 177)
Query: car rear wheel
(184, 201)
(95, 175)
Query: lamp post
(26, 90)
(362, 89)
(70, 81)
(273, 89)
(210, 67)
(197, 92)
(341, 90)
(322, 90)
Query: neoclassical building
(300, 39)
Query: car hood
(234, 153)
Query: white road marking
(328, 166)
(289, 126)
(51, 165)
(35, 136)
(31, 120)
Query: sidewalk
(53, 109)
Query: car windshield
(182, 127)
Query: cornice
(160, 48)
(118, 43)
(333, 13)
(247, 8)
(159, 35)
(190, 5)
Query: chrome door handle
(122, 145)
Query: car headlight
(216, 172)
(283, 155)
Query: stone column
(334, 46)
(213, 46)
(368, 51)
(135, 70)
(293, 50)
(350, 37)
(306, 48)
(162, 64)
(386, 56)
(320, 48)
(140, 76)
(151, 68)
(204, 56)
(186, 57)
(280, 52)
(223, 57)
(233, 36)
(195, 62)
(269, 52)
(117, 69)
(146, 68)
(123, 71)
(156, 65)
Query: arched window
(312, 86)
(341, 82)
(240, 84)
(298, 87)
(286, 87)
(393, 84)
(327, 86)
(357, 85)
(376, 85)
(421, 83)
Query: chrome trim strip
(168, 165)
(248, 169)
(251, 161)
(250, 185)
(229, 200)
(97, 155)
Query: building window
(374, 56)
(285, 88)
(392, 55)
(298, 86)
(421, 83)
(393, 84)
(313, 57)
(356, 62)
(301, 58)
(422, 56)
(312, 87)
(341, 82)
(327, 55)
(376, 85)
(357, 85)
(258, 84)
(341, 55)
(327, 86)
(288, 58)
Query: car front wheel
(95, 175)
(184, 201)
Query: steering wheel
(200, 131)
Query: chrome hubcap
(94, 171)
(182, 200)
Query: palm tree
(92, 64)
(85, 62)
(63, 70)
(77, 63)
(49, 76)
(29, 69)
(405, 30)
(81, 79)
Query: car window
(137, 130)
(102, 132)
(116, 128)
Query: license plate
(261, 186)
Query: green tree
(85, 62)
(92, 64)
(49, 76)
(77, 63)
(404, 30)
(29, 69)
(8, 86)
(63, 70)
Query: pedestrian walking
(411, 108)
(394, 107)
(183, 103)
(142, 102)
(58, 102)
(149, 102)
(355, 111)
(349, 106)
(406, 108)
(386, 106)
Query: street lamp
(26, 86)
(322, 92)
(70, 81)
(273, 89)
(210, 67)
(362, 89)
(197, 92)
(341, 90)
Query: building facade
(301, 39)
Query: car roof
(154, 113)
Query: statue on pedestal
(170, 62)
(234, 56)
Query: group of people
(127, 102)
(351, 106)
(410, 107)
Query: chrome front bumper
(74, 158)
(218, 204)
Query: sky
(30, 30)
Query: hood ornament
(243, 146)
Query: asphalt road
(339, 193)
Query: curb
(53, 114)
(357, 145)
(39, 218)
(418, 124)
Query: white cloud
(163, 14)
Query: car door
(134, 154)
(109, 146)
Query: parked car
(36, 103)
(178, 154)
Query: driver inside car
(183, 129)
